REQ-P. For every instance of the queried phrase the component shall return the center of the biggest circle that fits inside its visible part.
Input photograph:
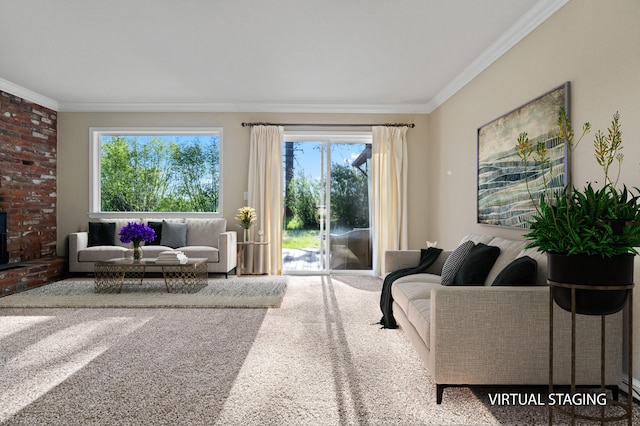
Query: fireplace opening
(4, 251)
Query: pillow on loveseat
(477, 264)
(102, 234)
(157, 228)
(522, 271)
(454, 262)
(174, 234)
(205, 232)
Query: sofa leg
(615, 391)
(439, 393)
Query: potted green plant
(590, 235)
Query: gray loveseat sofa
(497, 335)
(202, 238)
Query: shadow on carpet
(235, 292)
(361, 282)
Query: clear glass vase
(137, 253)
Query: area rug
(233, 292)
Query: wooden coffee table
(187, 277)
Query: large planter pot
(595, 271)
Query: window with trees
(165, 170)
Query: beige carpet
(317, 360)
(232, 292)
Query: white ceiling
(255, 55)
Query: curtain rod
(410, 125)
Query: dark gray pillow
(454, 261)
(523, 271)
(102, 234)
(174, 234)
(476, 266)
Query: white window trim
(95, 134)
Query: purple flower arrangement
(136, 232)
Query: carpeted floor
(317, 360)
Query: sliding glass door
(304, 233)
(326, 212)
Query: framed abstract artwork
(506, 186)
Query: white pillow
(205, 232)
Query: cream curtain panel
(389, 201)
(265, 192)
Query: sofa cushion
(541, 259)
(477, 264)
(419, 315)
(102, 234)
(205, 232)
(157, 228)
(405, 292)
(509, 250)
(454, 261)
(477, 238)
(521, 271)
(212, 254)
(101, 253)
(151, 251)
(420, 278)
(174, 234)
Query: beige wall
(591, 43)
(73, 157)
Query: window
(168, 170)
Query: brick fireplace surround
(28, 157)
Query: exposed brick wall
(28, 146)
(33, 273)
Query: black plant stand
(628, 407)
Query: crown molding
(29, 95)
(519, 30)
(243, 107)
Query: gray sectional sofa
(496, 335)
(198, 238)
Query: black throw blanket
(427, 257)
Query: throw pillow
(157, 228)
(454, 261)
(174, 234)
(476, 266)
(102, 234)
(205, 232)
(522, 271)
